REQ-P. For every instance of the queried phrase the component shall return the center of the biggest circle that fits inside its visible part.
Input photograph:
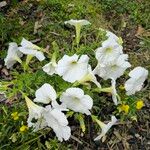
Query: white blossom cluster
(111, 64)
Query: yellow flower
(23, 128)
(121, 87)
(139, 104)
(15, 115)
(125, 108)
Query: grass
(122, 17)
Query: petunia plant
(69, 86)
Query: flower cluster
(76, 69)
(52, 115)
(15, 52)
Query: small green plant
(136, 11)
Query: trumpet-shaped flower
(36, 118)
(89, 77)
(111, 36)
(58, 122)
(72, 68)
(105, 127)
(45, 94)
(137, 77)
(108, 52)
(50, 68)
(75, 100)
(114, 69)
(78, 24)
(13, 55)
(29, 48)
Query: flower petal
(45, 94)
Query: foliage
(53, 29)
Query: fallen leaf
(3, 3)
(21, 22)
(37, 25)
(5, 71)
(117, 134)
(125, 144)
(139, 31)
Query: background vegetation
(43, 22)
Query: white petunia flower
(29, 48)
(35, 112)
(72, 68)
(78, 24)
(105, 127)
(114, 92)
(108, 52)
(58, 122)
(13, 55)
(114, 69)
(89, 77)
(137, 77)
(45, 94)
(111, 36)
(50, 68)
(75, 100)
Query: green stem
(107, 90)
(78, 30)
(18, 59)
(54, 56)
(26, 65)
(23, 94)
(75, 84)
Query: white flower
(75, 100)
(50, 68)
(78, 24)
(31, 49)
(114, 69)
(13, 55)
(105, 127)
(137, 77)
(45, 94)
(71, 68)
(108, 52)
(89, 77)
(111, 36)
(114, 92)
(35, 112)
(58, 122)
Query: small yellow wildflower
(121, 87)
(139, 104)
(15, 115)
(23, 128)
(125, 108)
